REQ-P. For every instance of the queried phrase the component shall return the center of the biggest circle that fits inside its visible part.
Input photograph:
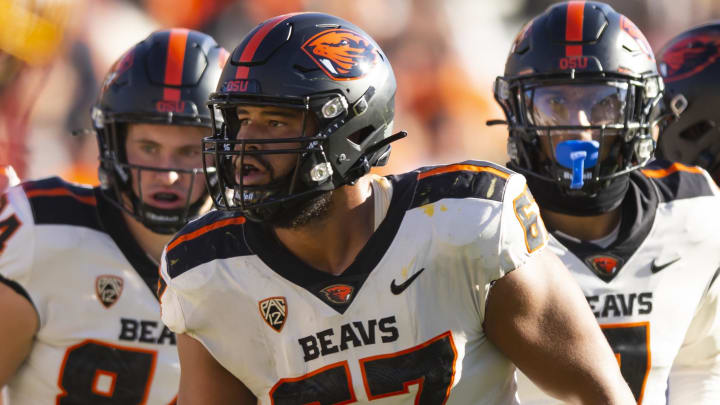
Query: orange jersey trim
(99, 373)
(342, 364)
(676, 167)
(647, 348)
(61, 192)
(418, 381)
(204, 230)
(459, 168)
(63, 392)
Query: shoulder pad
(470, 179)
(677, 181)
(216, 235)
(56, 201)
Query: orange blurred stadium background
(445, 53)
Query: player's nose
(581, 119)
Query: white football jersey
(401, 325)
(654, 289)
(8, 178)
(100, 337)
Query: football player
(78, 266)
(317, 282)
(690, 69)
(582, 97)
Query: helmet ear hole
(697, 130)
(359, 136)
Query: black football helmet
(690, 69)
(582, 57)
(331, 71)
(164, 79)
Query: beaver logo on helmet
(689, 56)
(118, 68)
(342, 54)
(521, 36)
(628, 26)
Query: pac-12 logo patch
(338, 293)
(108, 289)
(274, 312)
(342, 54)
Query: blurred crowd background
(446, 54)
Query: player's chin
(304, 213)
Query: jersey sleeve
(516, 234)
(17, 242)
(170, 308)
(522, 231)
(695, 375)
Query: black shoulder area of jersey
(469, 179)
(676, 181)
(216, 235)
(58, 202)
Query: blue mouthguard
(577, 155)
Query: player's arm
(19, 324)
(18, 317)
(204, 381)
(538, 317)
(695, 375)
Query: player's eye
(149, 148)
(190, 151)
(556, 101)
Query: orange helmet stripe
(574, 27)
(254, 42)
(174, 63)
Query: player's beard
(305, 213)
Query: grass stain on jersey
(491, 188)
(407, 268)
